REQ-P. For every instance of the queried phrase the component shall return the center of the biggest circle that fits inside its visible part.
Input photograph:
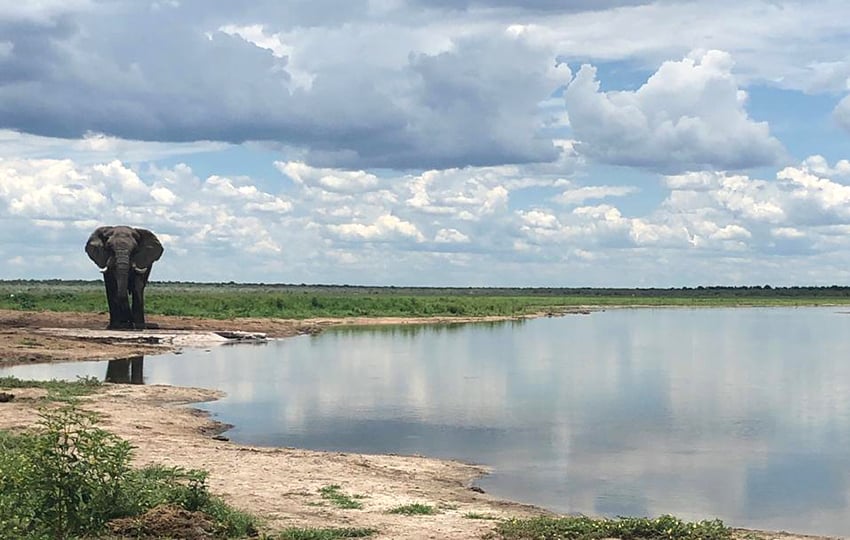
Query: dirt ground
(279, 484)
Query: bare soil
(281, 485)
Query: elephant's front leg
(137, 286)
(112, 299)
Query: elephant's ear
(148, 250)
(96, 246)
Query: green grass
(583, 528)
(325, 533)
(476, 515)
(339, 499)
(414, 509)
(224, 301)
(56, 390)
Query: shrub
(68, 478)
(63, 480)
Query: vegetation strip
(56, 390)
(223, 301)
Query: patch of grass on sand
(325, 534)
(414, 509)
(476, 515)
(584, 528)
(339, 499)
(56, 390)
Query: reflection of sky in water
(742, 414)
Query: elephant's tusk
(139, 270)
(104, 269)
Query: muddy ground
(279, 484)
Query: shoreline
(280, 485)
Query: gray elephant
(125, 256)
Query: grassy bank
(302, 301)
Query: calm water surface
(741, 414)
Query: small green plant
(231, 522)
(584, 528)
(29, 342)
(476, 515)
(339, 499)
(414, 509)
(325, 533)
(66, 391)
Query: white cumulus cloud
(581, 194)
(451, 236)
(334, 180)
(385, 227)
(689, 115)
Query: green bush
(68, 478)
(64, 480)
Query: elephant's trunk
(122, 269)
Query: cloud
(451, 236)
(57, 203)
(581, 194)
(532, 5)
(96, 147)
(368, 95)
(705, 217)
(784, 44)
(449, 225)
(328, 179)
(689, 115)
(820, 166)
(42, 11)
(386, 227)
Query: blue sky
(458, 142)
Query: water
(741, 414)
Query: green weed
(414, 509)
(476, 515)
(339, 499)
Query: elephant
(125, 256)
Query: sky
(533, 143)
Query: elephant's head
(121, 248)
